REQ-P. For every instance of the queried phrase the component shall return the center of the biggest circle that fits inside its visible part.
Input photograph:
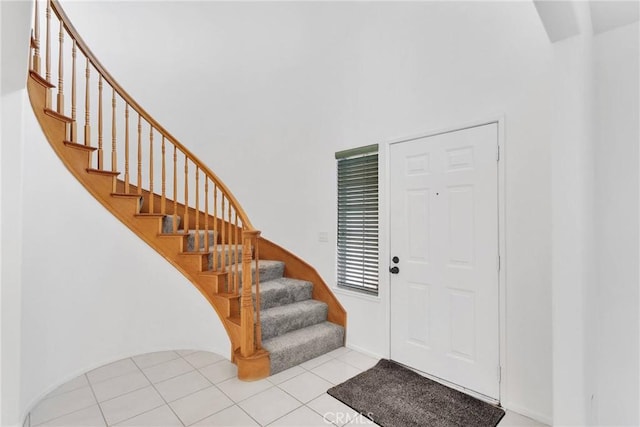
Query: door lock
(395, 260)
(394, 270)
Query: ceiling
(561, 18)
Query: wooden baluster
(207, 243)
(100, 153)
(126, 148)
(197, 236)
(74, 124)
(257, 284)
(114, 156)
(236, 251)
(175, 189)
(151, 195)
(229, 249)
(48, 55)
(185, 224)
(87, 97)
(215, 227)
(139, 154)
(223, 241)
(32, 45)
(61, 69)
(163, 199)
(36, 46)
(48, 44)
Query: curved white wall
(92, 291)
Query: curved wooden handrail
(84, 48)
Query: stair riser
(267, 273)
(286, 322)
(194, 262)
(285, 358)
(277, 297)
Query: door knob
(394, 270)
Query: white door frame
(385, 224)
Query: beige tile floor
(197, 388)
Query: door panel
(444, 229)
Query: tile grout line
(293, 410)
(96, 398)
(66, 413)
(159, 394)
(221, 391)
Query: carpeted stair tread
(303, 344)
(269, 270)
(283, 291)
(279, 320)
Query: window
(358, 219)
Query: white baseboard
(365, 351)
(534, 415)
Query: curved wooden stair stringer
(226, 271)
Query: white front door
(444, 232)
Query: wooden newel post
(247, 335)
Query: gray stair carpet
(282, 291)
(269, 270)
(303, 344)
(279, 320)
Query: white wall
(265, 93)
(595, 227)
(14, 25)
(572, 221)
(617, 73)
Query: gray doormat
(394, 396)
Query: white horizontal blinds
(358, 219)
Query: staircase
(276, 309)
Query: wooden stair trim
(199, 253)
(56, 115)
(149, 215)
(102, 172)
(126, 195)
(77, 146)
(214, 273)
(41, 80)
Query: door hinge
(499, 373)
(498, 153)
(499, 262)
